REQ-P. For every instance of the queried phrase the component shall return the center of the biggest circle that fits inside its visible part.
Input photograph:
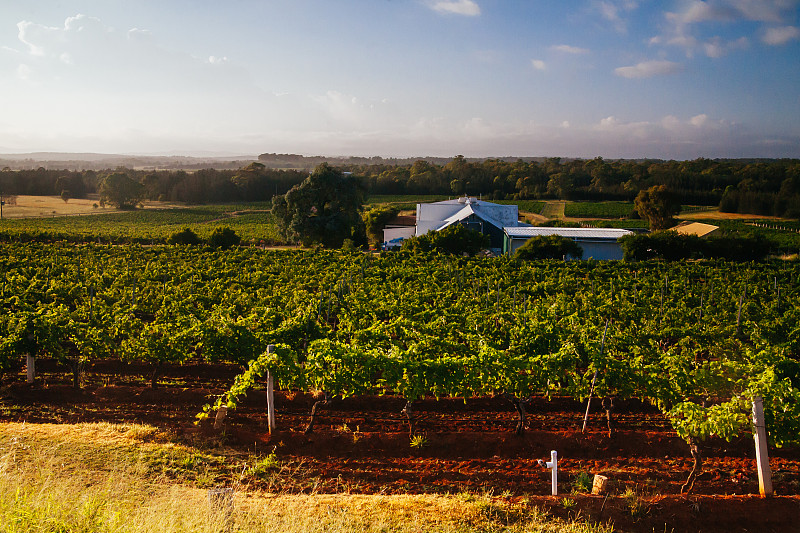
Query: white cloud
(567, 49)
(614, 11)
(457, 7)
(698, 11)
(648, 69)
(698, 16)
(538, 64)
(25, 30)
(780, 36)
(699, 120)
(716, 47)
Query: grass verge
(103, 478)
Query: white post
(553, 466)
(762, 455)
(271, 395)
(30, 364)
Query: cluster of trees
(324, 209)
(251, 183)
(220, 238)
(698, 182)
(455, 239)
(673, 246)
(766, 187)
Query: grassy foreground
(111, 478)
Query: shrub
(549, 247)
(224, 238)
(673, 246)
(454, 239)
(186, 236)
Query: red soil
(361, 445)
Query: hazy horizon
(630, 79)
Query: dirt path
(232, 214)
(554, 209)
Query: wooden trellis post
(762, 454)
(271, 394)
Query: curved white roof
(572, 233)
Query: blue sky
(677, 79)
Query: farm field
(395, 342)
(360, 456)
(253, 222)
(598, 209)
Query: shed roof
(572, 233)
(439, 215)
(695, 228)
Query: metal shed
(597, 243)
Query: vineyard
(251, 221)
(421, 347)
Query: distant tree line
(764, 187)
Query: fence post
(30, 364)
(271, 394)
(762, 454)
(219, 420)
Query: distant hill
(309, 162)
(91, 161)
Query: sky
(673, 79)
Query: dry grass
(716, 214)
(51, 206)
(98, 478)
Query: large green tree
(657, 205)
(324, 209)
(376, 219)
(122, 191)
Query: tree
(120, 190)
(657, 205)
(325, 208)
(376, 219)
(187, 236)
(224, 238)
(454, 239)
(549, 247)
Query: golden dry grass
(51, 206)
(97, 478)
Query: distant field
(525, 206)
(42, 206)
(405, 198)
(633, 223)
(250, 221)
(598, 209)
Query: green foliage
(582, 482)
(186, 236)
(454, 239)
(657, 205)
(549, 247)
(434, 326)
(419, 442)
(324, 209)
(672, 246)
(122, 191)
(376, 219)
(599, 209)
(146, 226)
(223, 238)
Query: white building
(597, 243)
